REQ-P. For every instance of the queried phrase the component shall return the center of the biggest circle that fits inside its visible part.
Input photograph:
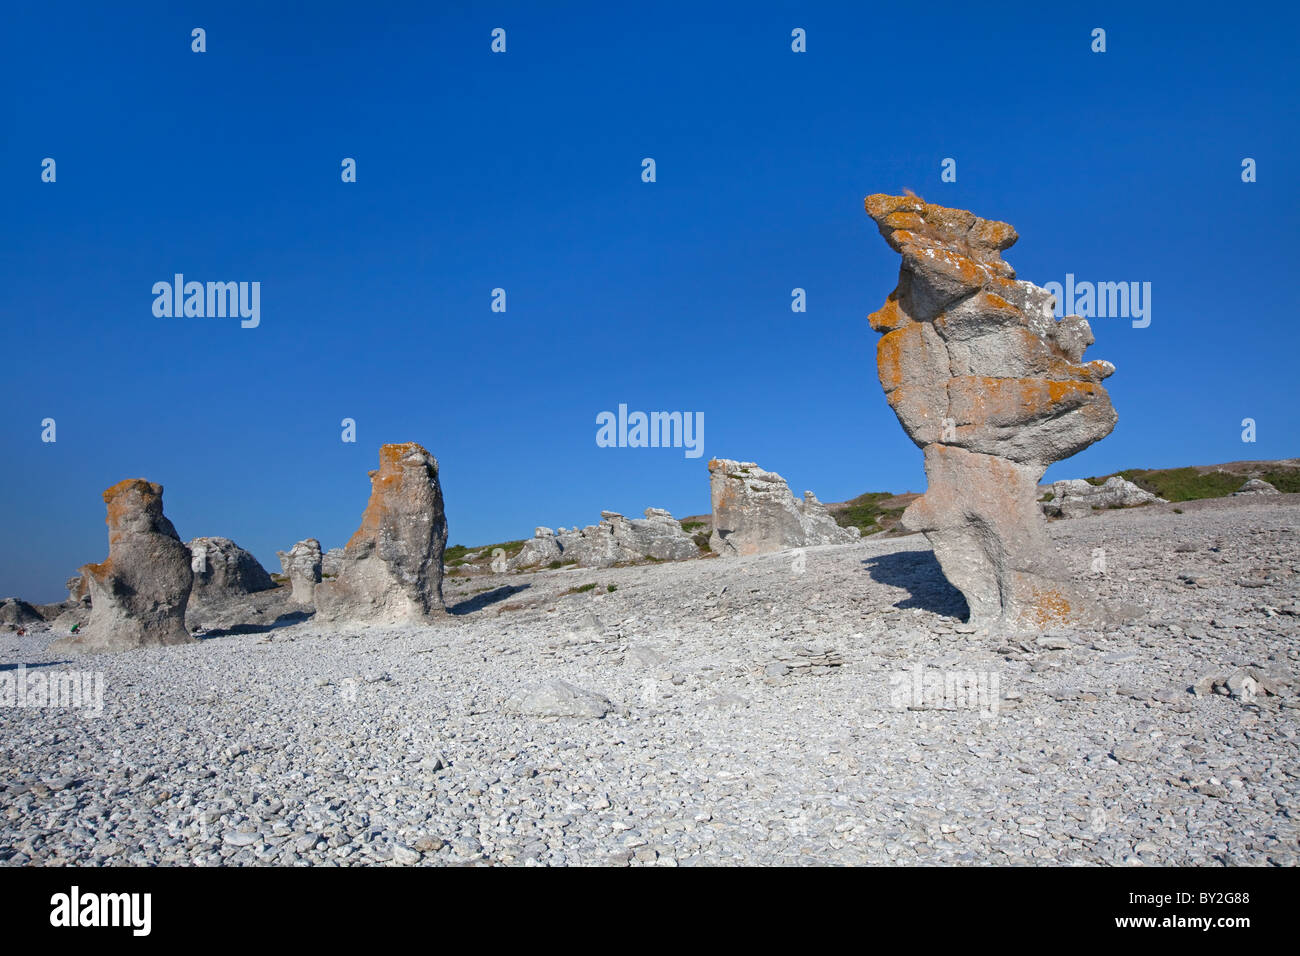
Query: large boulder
(223, 570)
(15, 614)
(392, 567)
(994, 389)
(755, 513)
(615, 540)
(1255, 486)
(1077, 498)
(138, 594)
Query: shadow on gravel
(32, 667)
(480, 601)
(919, 573)
(284, 620)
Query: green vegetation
(689, 526)
(581, 588)
(455, 556)
(611, 588)
(702, 542)
(865, 511)
(1187, 484)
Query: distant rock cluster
(615, 540)
(1078, 498)
(755, 513)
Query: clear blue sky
(523, 171)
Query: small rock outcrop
(391, 569)
(331, 562)
(615, 540)
(1077, 498)
(222, 570)
(754, 512)
(994, 389)
(1256, 486)
(303, 563)
(15, 614)
(138, 594)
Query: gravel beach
(825, 706)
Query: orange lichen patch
(1010, 401)
(120, 502)
(889, 354)
(889, 316)
(99, 572)
(904, 220)
(1049, 607)
(880, 205)
(385, 484)
(993, 234)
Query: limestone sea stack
(138, 594)
(754, 512)
(994, 389)
(391, 569)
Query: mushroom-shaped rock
(993, 388)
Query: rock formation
(15, 614)
(615, 540)
(754, 512)
(993, 388)
(1077, 498)
(392, 567)
(139, 593)
(1256, 486)
(331, 562)
(302, 563)
(222, 570)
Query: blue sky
(522, 171)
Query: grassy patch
(1287, 482)
(611, 588)
(1184, 484)
(689, 526)
(581, 588)
(455, 556)
(864, 512)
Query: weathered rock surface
(15, 613)
(140, 591)
(392, 567)
(1077, 498)
(1256, 486)
(993, 388)
(558, 698)
(754, 512)
(303, 566)
(615, 540)
(331, 562)
(222, 570)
